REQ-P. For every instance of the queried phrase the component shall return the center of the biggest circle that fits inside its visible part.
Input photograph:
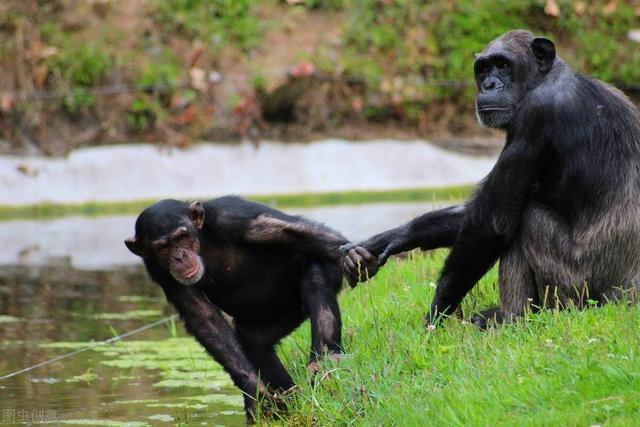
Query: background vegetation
(78, 72)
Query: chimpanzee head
(508, 68)
(167, 235)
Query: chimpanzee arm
(493, 218)
(432, 230)
(205, 322)
(305, 236)
(233, 219)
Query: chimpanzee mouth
(493, 108)
(494, 116)
(192, 275)
(189, 274)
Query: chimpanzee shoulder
(233, 216)
(242, 208)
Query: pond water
(67, 282)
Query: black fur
(268, 270)
(561, 207)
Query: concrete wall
(134, 172)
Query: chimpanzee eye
(180, 235)
(502, 65)
(481, 68)
(160, 244)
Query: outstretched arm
(205, 322)
(432, 230)
(305, 236)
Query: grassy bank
(53, 210)
(555, 368)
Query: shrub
(216, 22)
(79, 67)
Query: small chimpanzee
(268, 270)
(561, 207)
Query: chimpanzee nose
(489, 84)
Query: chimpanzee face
(167, 234)
(506, 71)
(498, 95)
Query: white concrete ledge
(142, 171)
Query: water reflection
(96, 243)
(72, 280)
(58, 303)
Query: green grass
(53, 210)
(555, 368)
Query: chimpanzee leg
(556, 258)
(259, 341)
(538, 257)
(554, 264)
(320, 285)
(517, 289)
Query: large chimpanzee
(561, 207)
(268, 270)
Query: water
(67, 282)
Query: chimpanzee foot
(486, 318)
(315, 366)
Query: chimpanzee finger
(368, 256)
(357, 259)
(344, 249)
(384, 256)
(349, 274)
(350, 263)
(361, 269)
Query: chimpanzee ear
(196, 213)
(545, 52)
(134, 246)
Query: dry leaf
(7, 102)
(27, 170)
(48, 51)
(551, 8)
(580, 8)
(196, 52)
(303, 69)
(610, 7)
(357, 105)
(198, 79)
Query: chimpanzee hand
(358, 264)
(363, 260)
(265, 407)
(441, 309)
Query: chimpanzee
(561, 207)
(268, 270)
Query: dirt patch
(79, 73)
